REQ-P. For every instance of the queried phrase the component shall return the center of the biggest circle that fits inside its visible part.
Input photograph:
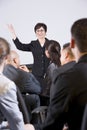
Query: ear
(67, 55)
(72, 43)
(14, 60)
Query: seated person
(8, 98)
(25, 81)
(52, 51)
(67, 60)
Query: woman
(37, 47)
(52, 51)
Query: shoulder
(6, 84)
(63, 69)
(34, 41)
(59, 75)
(8, 66)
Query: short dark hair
(79, 33)
(4, 49)
(39, 25)
(66, 45)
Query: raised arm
(12, 31)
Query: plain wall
(59, 15)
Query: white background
(58, 15)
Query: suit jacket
(84, 121)
(9, 105)
(26, 81)
(69, 96)
(62, 69)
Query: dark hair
(66, 45)
(39, 25)
(54, 51)
(47, 43)
(79, 33)
(4, 49)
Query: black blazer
(84, 121)
(41, 62)
(62, 69)
(25, 81)
(69, 96)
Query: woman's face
(40, 33)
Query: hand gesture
(24, 67)
(11, 30)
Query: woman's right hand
(11, 30)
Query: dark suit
(84, 121)
(63, 69)
(69, 96)
(27, 83)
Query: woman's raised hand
(11, 30)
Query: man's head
(14, 59)
(4, 50)
(79, 37)
(66, 54)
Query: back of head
(13, 59)
(79, 34)
(4, 49)
(67, 48)
(66, 54)
(54, 51)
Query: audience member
(52, 51)
(69, 94)
(25, 81)
(8, 98)
(67, 60)
(37, 47)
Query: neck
(77, 53)
(42, 41)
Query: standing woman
(37, 47)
